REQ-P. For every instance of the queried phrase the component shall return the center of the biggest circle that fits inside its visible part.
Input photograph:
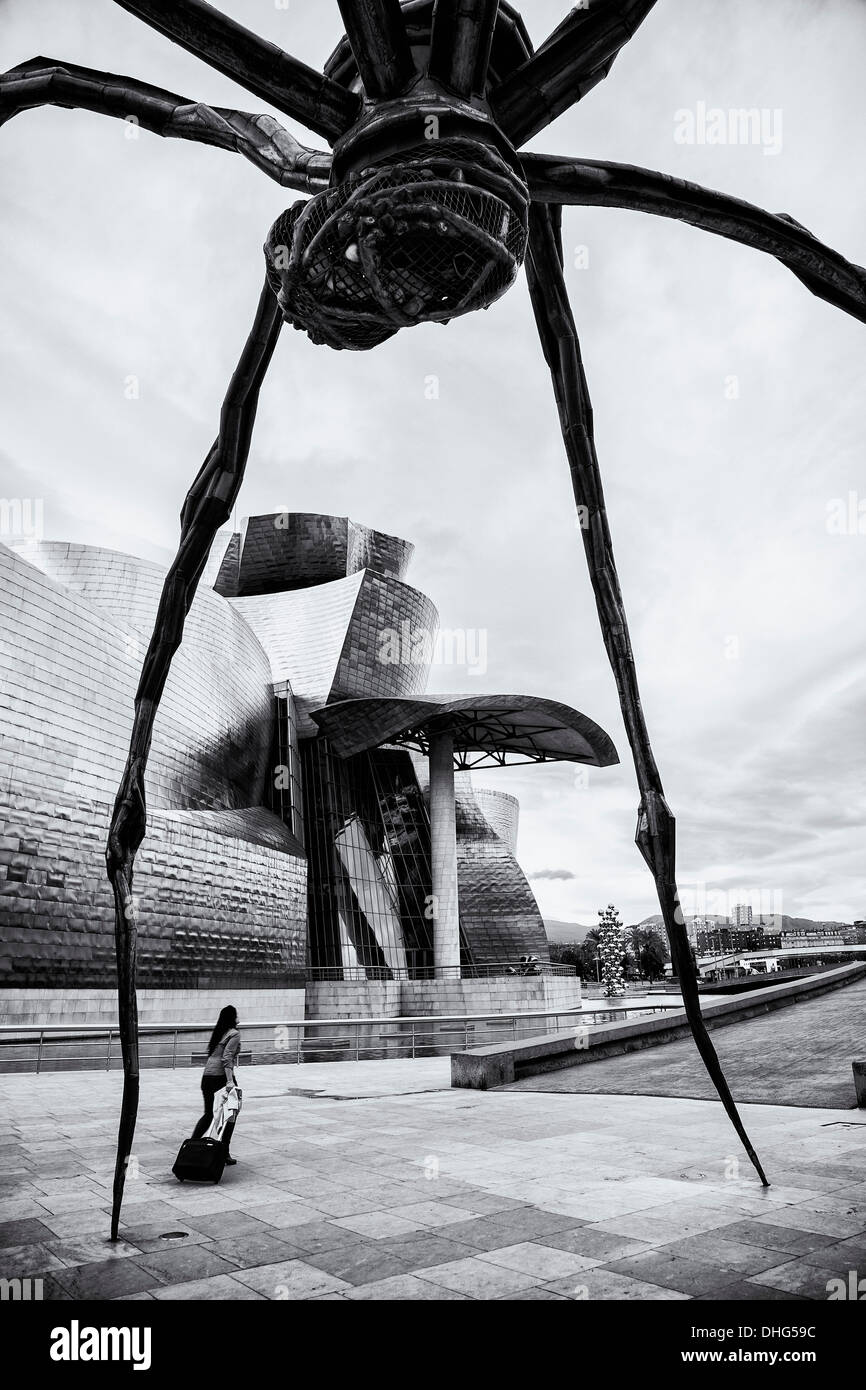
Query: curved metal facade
(221, 883)
(332, 641)
(499, 917)
(268, 850)
(79, 620)
(502, 812)
(297, 550)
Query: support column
(443, 858)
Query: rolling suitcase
(200, 1160)
(203, 1160)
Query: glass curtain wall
(286, 796)
(368, 842)
(364, 824)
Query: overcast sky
(142, 258)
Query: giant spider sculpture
(423, 210)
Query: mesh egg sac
(424, 240)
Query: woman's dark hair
(227, 1020)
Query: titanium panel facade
(331, 641)
(76, 621)
(371, 662)
(282, 551)
(502, 812)
(267, 853)
(499, 917)
(215, 863)
(303, 633)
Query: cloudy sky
(729, 408)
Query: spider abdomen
(438, 233)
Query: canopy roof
(488, 730)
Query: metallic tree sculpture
(423, 210)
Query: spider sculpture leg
(594, 183)
(261, 139)
(656, 828)
(376, 30)
(287, 84)
(207, 507)
(570, 62)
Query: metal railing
(416, 971)
(59, 1047)
(593, 989)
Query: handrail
(59, 1046)
(80, 1031)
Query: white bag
(227, 1106)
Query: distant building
(813, 936)
(718, 941)
(742, 915)
(713, 941)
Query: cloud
(553, 874)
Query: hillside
(566, 933)
(771, 923)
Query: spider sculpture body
(423, 209)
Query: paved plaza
(377, 1181)
(799, 1055)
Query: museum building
(312, 818)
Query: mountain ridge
(567, 933)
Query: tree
(654, 955)
(590, 950)
(648, 951)
(611, 947)
(577, 954)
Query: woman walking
(219, 1069)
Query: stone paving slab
(386, 1184)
